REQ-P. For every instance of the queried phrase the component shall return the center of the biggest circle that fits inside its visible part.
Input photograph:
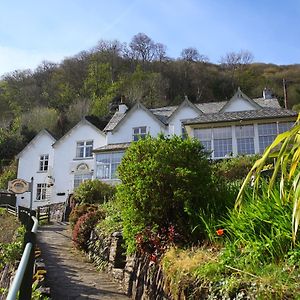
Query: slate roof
(112, 147)
(264, 113)
(164, 113)
(114, 121)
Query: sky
(33, 31)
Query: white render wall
(65, 162)
(137, 118)
(186, 112)
(29, 167)
(239, 104)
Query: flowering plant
(154, 243)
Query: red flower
(220, 232)
(153, 257)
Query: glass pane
(282, 127)
(116, 157)
(246, 131)
(267, 129)
(102, 171)
(245, 146)
(88, 152)
(265, 141)
(79, 152)
(203, 134)
(206, 145)
(222, 133)
(103, 158)
(222, 147)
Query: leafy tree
(165, 181)
(40, 118)
(94, 191)
(145, 87)
(9, 173)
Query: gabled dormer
(240, 102)
(185, 110)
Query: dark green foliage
(94, 191)
(8, 173)
(234, 168)
(165, 181)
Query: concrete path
(70, 276)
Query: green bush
(236, 168)
(79, 211)
(94, 191)
(165, 181)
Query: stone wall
(140, 278)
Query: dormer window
(44, 162)
(139, 133)
(84, 149)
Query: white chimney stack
(122, 108)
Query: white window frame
(139, 133)
(84, 149)
(41, 191)
(44, 163)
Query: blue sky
(35, 30)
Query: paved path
(70, 276)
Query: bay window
(107, 164)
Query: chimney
(267, 93)
(122, 106)
(285, 93)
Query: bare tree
(192, 55)
(236, 60)
(142, 47)
(160, 52)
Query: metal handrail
(15, 286)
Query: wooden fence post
(49, 214)
(38, 213)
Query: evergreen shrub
(165, 181)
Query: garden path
(69, 275)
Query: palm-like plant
(285, 149)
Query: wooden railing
(43, 213)
(10, 209)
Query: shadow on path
(69, 275)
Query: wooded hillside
(56, 96)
